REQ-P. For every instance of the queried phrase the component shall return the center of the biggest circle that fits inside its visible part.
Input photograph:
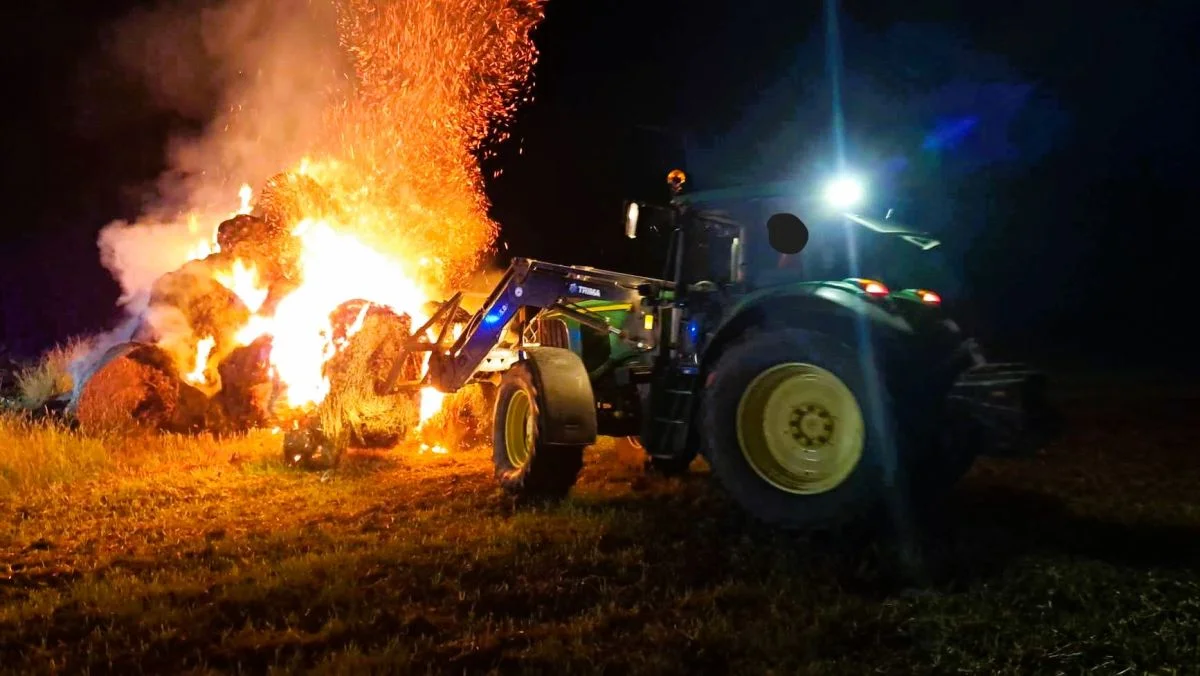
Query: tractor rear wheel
(798, 433)
(527, 466)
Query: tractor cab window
(707, 256)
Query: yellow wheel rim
(518, 429)
(800, 428)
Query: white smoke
(263, 73)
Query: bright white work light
(844, 192)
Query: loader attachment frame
(530, 284)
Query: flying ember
(369, 206)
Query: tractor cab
(837, 231)
(707, 250)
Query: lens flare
(844, 192)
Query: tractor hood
(917, 238)
(827, 295)
(777, 197)
(841, 244)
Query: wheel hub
(811, 425)
(519, 429)
(800, 428)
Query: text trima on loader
(812, 401)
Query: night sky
(1051, 148)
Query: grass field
(167, 556)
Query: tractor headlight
(844, 192)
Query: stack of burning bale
(145, 382)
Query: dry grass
(40, 455)
(1082, 561)
(51, 375)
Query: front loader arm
(526, 284)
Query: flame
(242, 279)
(254, 329)
(203, 349)
(335, 267)
(358, 322)
(245, 193)
(431, 403)
(202, 248)
(399, 159)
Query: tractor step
(672, 412)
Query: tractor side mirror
(787, 233)
(631, 219)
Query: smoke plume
(385, 102)
(263, 73)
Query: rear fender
(826, 308)
(820, 307)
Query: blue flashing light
(693, 329)
(496, 315)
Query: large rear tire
(800, 433)
(527, 466)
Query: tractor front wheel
(525, 465)
(796, 431)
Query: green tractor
(814, 403)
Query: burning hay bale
(290, 197)
(390, 207)
(136, 385)
(464, 419)
(189, 307)
(244, 338)
(248, 391)
(210, 306)
(268, 249)
(359, 409)
(201, 315)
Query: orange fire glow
(335, 267)
(398, 160)
(431, 403)
(203, 349)
(242, 279)
(245, 194)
